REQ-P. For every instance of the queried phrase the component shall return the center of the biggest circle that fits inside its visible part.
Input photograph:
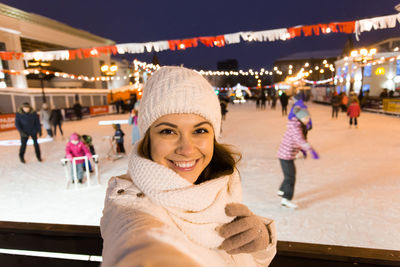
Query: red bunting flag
(182, 44)
(212, 41)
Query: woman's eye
(201, 131)
(166, 131)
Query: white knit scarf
(196, 209)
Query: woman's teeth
(184, 164)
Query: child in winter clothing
(353, 112)
(87, 140)
(119, 138)
(76, 148)
(293, 142)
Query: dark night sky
(127, 21)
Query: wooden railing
(20, 241)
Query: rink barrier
(66, 163)
(86, 241)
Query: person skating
(263, 99)
(180, 203)
(224, 109)
(353, 112)
(293, 142)
(335, 102)
(274, 99)
(344, 100)
(78, 110)
(284, 99)
(76, 148)
(56, 119)
(45, 119)
(133, 117)
(28, 125)
(119, 138)
(88, 141)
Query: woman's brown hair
(222, 163)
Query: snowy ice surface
(349, 197)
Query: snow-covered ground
(348, 197)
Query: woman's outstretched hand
(246, 233)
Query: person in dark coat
(263, 99)
(78, 110)
(28, 124)
(335, 101)
(284, 103)
(56, 119)
(274, 99)
(224, 109)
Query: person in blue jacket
(28, 125)
(119, 138)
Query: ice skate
(280, 193)
(287, 203)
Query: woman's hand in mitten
(245, 234)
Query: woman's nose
(185, 146)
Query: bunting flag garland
(283, 34)
(383, 22)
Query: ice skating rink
(350, 196)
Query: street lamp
(39, 63)
(109, 71)
(361, 57)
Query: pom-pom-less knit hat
(301, 113)
(177, 90)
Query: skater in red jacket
(353, 112)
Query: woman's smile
(184, 166)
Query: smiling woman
(180, 203)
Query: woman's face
(183, 143)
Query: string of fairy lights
(305, 71)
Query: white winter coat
(45, 118)
(153, 217)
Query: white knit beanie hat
(177, 90)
